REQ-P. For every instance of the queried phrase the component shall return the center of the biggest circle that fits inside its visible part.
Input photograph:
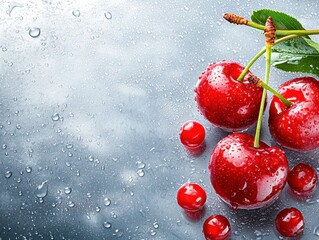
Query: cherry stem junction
(261, 52)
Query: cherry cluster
(245, 172)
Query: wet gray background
(90, 110)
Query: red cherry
(246, 177)
(216, 227)
(224, 101)
(192, 134)
(296, 127)
(289, 222)
(303, 180)
(191, 197)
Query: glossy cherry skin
(216, 227)
(246, 177)
(191, 197)
(296, 127)
(289, 222)
(302, 180)
(224, 101)
(192, 134)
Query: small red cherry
(216, 227)
(303, 180)
(289, 222)
(191, 197)
(192, 134)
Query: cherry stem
(261, 52)
(261, 83)
(284, 32)
(277, 94)
(263, 98)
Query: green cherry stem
(261, 52)
(239, 20)
(277, 94)
(284, 32)
(255, 80)
(270, 36)
(263, 98)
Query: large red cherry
(246, 177)
(223, 100)
(296, 127)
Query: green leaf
(312, 44)
(282, 21)
(291, 63)
(295, 55)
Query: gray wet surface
(93, 94)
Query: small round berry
(216, 227)
(191, 197)
(192, 134)
(289, 222)
(303, 179)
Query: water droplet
(76, 13)
(316, 231)
(108, 15)
(140, 164)
(42, 190)
(71, 204)
(140, 172)
(23, 206)
(12, 6)
(186, 8)
(118, 233)
(4, 146)
(310, 201)
(97, 209)
(78, 173)
(55, 117)
(28, 169)
(107, 225)
(18, 126)
(155, 225)
(8, 174)
(258, 233)
(4, 49)
(67, 190)
(107, 202)
(91, 158)
(69, 146)
(34, 32)
(153, 232)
